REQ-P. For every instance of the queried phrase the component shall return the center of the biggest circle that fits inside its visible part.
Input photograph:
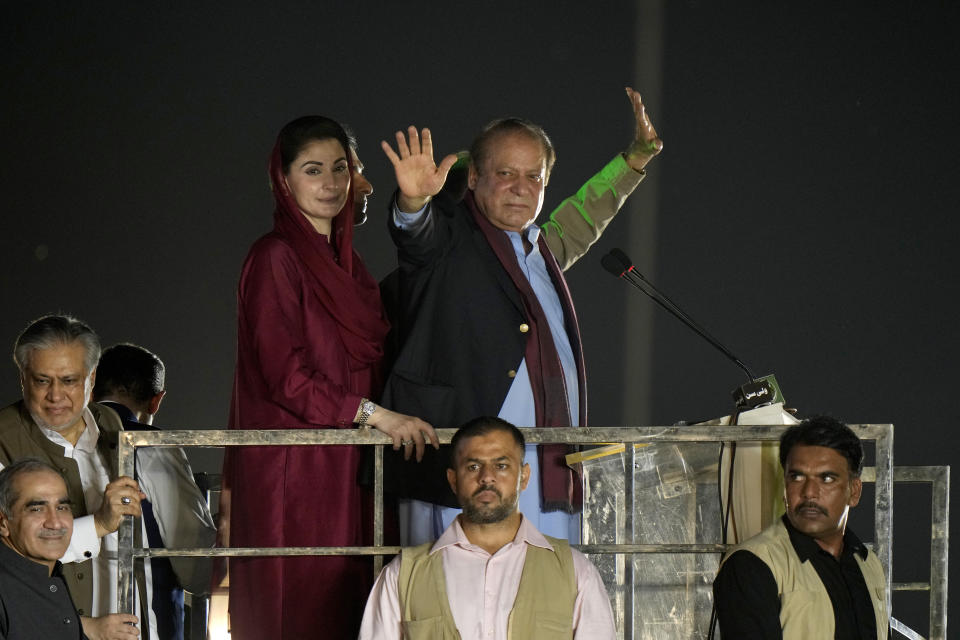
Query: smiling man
(486, 323)
(56, 422)
(35, 527)
(807, 576)
(491, 574)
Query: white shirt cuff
(85, 543)
(410, 222)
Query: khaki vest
(805, 608)
(20, 437)
(543, 609)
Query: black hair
(480, 427)
(824, 431)
(8, 496)
(130, 370)
(503, 126)
(299, 133)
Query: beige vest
(543, 609)
(805, 608)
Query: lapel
(108, 443)
(489, 262)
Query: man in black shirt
(35, 526)
(807, 576)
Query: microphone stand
(756, 392)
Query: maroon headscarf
(340, 281)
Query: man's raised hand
(418, 177)
(646, 143)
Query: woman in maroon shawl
(309, 346)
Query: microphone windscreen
(621, 258)
(612, 265)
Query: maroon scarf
(340, 281)
(560, 488)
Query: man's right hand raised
(418, 177)
(120, 498)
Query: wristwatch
(367, 407)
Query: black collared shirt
(748, 603)
(33, 604)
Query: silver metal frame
(882, 474)
(939, 479)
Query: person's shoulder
(768, 552)
(775, 535)
(409, 561)
(164, 459)
(740, 559)
(270, 244)
(11, 410)
(10, 416)
(268, 254)
(420, 550)
(107, 419)
(18, 433)
(581, 563)
(868, 557)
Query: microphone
(620, 265)
(614, 266)
(752, 394)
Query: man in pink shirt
(491, 574)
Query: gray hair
(480, 148)
(8, 496)
(51, 331)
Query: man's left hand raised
(646, 143)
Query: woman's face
(319, 178)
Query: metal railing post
(939, 550)
(125, 548)
(629, 534)
(377, 507)
(883, 509)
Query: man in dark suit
(487, 325)
(36, 523)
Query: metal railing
(882, 474)
(939, 479)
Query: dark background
(803, 209)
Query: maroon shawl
(560, 487)
(340, 280)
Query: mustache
(482, 489)
(810, 505)
(53, 533)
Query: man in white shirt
(491, 574)
(132, 381)
(57, 357)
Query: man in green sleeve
(486, 323)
